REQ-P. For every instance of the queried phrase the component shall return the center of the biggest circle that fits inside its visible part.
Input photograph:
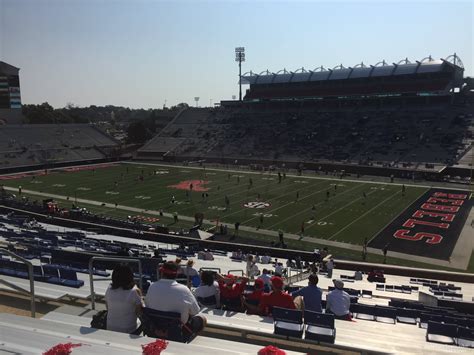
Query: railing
(216, 269)
(104, 258)
(233, 272)
(30, 275)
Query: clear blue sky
(139, 53)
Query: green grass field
(345, 216)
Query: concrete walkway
(460, 260)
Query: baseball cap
(277, 282)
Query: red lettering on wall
(429, 206)
(455, 196)
(410, 223)
(445, 217)
(430, 237)
(444, 200)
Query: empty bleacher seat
(319, 327)
(465, 337)
(409, 316)
(441, 333)
(363, 311)
(385, 314)
(288, 322)
(426, 317)
(366, 294)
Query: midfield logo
(257, 204)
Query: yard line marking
(339, 209)
(363, 215)
(307, 209)
(280, 196)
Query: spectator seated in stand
(208, 255)
(338, 302)
(167, 295)
(279, 269)
(276, 298)
(253, 299)
(375, 276)
(189, 271)
(231, 291)
(309, 298)
(266, 259)
(266, 277)
(123, 300)
(208, 294)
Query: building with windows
(10, 97)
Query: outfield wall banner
(430, 227)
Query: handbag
(99, 320)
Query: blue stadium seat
(210, 301)
(363, 311)
(408, 316)
(319, 327)
(465, 337)
(385, 314)
(426, 317)
(69, 278)
(288, 322)
(441, 333)
(164, 325)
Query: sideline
(317, 241)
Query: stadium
(357, 177)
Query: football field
(320, 206)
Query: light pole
(240, 57)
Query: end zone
(430, 227)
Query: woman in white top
(208, 288)
(123, 300)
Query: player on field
(403, 190)
(297, 195)
(327, 195)
(227, 202)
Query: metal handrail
(233, 272)
(109, 258)
(210, 269)
(30, 275)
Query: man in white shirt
(338, 301)
(169, 296)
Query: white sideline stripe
(362, 216)
(306, 177)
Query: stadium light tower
(240, 57)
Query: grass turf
(353, 211)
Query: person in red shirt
(277, 298)
(252, 300)
(231, 289)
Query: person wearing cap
(231, 290)
(338, 301)
(276, 298)
(311, 295)
(169, 296)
